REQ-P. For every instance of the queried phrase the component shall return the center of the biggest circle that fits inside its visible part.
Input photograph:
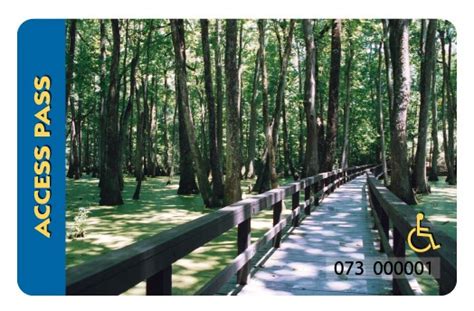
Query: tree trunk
(177, 28)
(443, 121)
(187, 179)
(447, 141)
(130, 167)
(399, 48)
(380, 116)
(74, 170)
(240, 105)
(250, 164)
(103, 102)
(347, 80)
(301, 115)
(110, 193)
(451, 115)
(311, 166)
(147, 103)
(433, 176)
(319, 104)
(123, 87)
(232, 188)
(263, 179)
(152, 162)
(166, 163)
(333, 103)
(124, 120)
(217, 178)
(427, 63)
(219, 94)
(140, 148)
(388, 69)
(269, 167)
(289, 169)
(87, 149)
(125, 147)
(279, 102)
(173, 148)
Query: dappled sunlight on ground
(159, 209)
(335, 230)
(441, 209)
(440, 206)
(339, 230)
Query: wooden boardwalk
(339, 229)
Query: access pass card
(237, 157)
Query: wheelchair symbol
(424, 232)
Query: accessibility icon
(423, 232)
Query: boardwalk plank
(340, 229)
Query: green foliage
(160, 208)
(78, 227)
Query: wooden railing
(151, 259)
(394, 219)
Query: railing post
(160, 283)
(399, 252)
(330, 184)
(315, 193)
(295, 202)
(384, 221)
(323, 185)
(307, 196)
(243, 242)
(276, 219)
(372, 206)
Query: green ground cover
(440, 209)
(159, 209)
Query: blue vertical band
(41, 157)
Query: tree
(110, 192)
(126, 117)
(289, 168)
(187, 178)
(219, 92)
(140, 147)
(388, 68)
(232, 189)
(347, 103)
(427, 66)
(164, 125)
(263, 181)
(333, 103)
(448, 114)
(380, 115)
(143, 100)
(103, 100)
(319, 89)
(311, 164)
(177, 29)
(74, 170)
(217, 179)
(142, 155)
(400, 57)
(433, 176)
(250, 164)
(271, 133)
(301, 112)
